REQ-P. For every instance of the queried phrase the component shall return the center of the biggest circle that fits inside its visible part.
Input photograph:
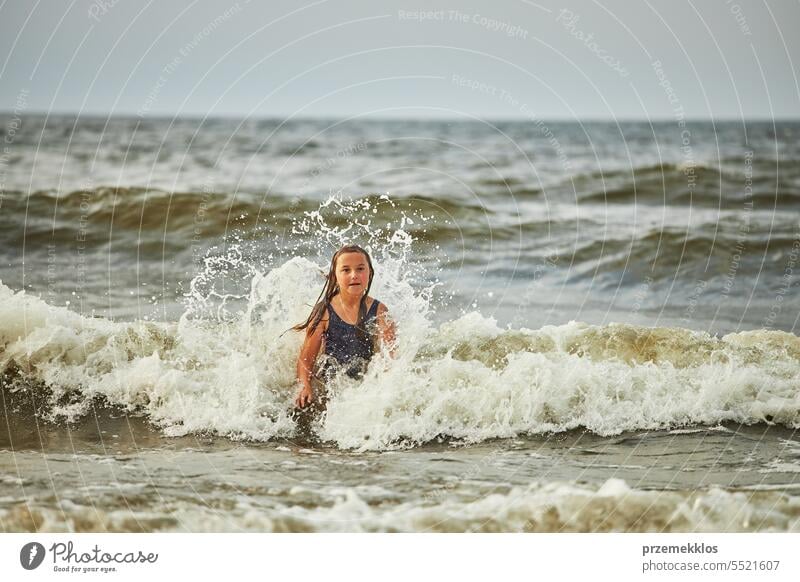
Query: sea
(596, 325)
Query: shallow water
(128, 478)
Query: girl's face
(352, 274)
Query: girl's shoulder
(324, 316)
(324, 307)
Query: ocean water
(596, 325)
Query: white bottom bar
(403, 557)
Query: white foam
(573, 376)
(552, 507)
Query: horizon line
(332, 117)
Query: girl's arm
(305, 363)
(386, 330)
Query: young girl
(344, 322)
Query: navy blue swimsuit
(344, 349)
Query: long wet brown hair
(331, 289)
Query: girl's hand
(305, 397)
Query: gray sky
(501, 59)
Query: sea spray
(227, 366)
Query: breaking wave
(466, 380)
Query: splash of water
(228, 365)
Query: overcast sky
(501, 59)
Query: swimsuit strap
(373, 309)
(332, 312)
